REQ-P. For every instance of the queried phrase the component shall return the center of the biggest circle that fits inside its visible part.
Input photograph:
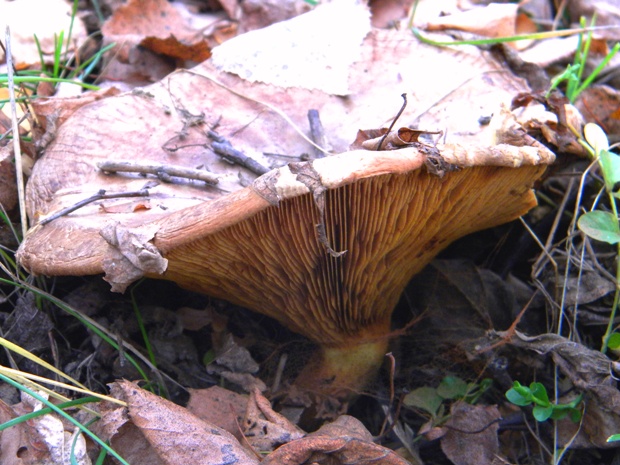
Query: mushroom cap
(255, 241)
(259, 246)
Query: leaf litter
(449, 90)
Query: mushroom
(325, 246)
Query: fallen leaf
(220, 407)
(8, 185)
(131, 255)
(264, 429)
(176, 435)
(345, 441)
(601, 104)
(471, 434)
(312, 52)
(20, 444)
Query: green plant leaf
(599, 225)
(542, 413)
(539, 394)
(425, 398)
(452, 387)
(575, 415)
(614, 341)
(558, 414)
(610, 166)
(519, 395)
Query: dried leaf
(265, 429)
(220, 407)
(312, 51)
(176, 435)
(471, 437)
(131, 255)
(345, 441)
(20, 444)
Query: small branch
(317, 133)
(400, 112)
(224, 149)
(163, 172)
(101, 195)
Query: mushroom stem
(342, 372)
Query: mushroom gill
(383, 229)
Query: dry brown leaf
(8, 186)
(172, 47)
(471, 435)
(345, 441)
(21, 444)
(312, 52)
(386, 14)
(176, 435)
(256, 14)
(601, 105)
(220, 407)
(143, 29)
(132, 254)
(607, 14)
(493, 20)
(264, 429)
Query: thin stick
(317, 133)
(19, 172)
(163, 172)
(400, 112)
(101, 195)
(225, 149)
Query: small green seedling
(573, 74)
(431, 400)
(544, 409)
(613, 343)
(604, 225)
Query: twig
(19, 171)
(400, 112)
(101, 195)
(163, 172)
(225, 149)
(317, 133)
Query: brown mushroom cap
(259, 246)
